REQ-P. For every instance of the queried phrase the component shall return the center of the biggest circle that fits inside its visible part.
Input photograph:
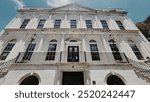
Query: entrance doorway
(73, 53)
(73, 78)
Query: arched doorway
(30, 80)
(114, 80)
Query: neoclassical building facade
(73, 45)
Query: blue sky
(138, 10)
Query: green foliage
(147, 21)
(144, 27)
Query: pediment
(73, 7)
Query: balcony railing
(142, 69)
(65, 57)
(5, 67)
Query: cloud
(19, 3)
(56, 3)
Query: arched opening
(30, 80)
(92, 41)
(114, 80)
(54, 40)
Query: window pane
(51, 52)
(104, 24)
(94, 52)
(120, 25)
(89, 24)
(24, 24)
(29, 52)
(136, 51)
(115, 50)
(6, 51)
(41, 23)
(57, 23)
(73, 24)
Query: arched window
(7, 49)
(115, 50)
(114, 80)
(51, 50)
(30, 80)
(94, 50)
(135, 50)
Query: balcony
(71, 57)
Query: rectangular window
(29, 52)
(89, 24)
(73, 53)
(137, 52)
(104, 24)
(115, 52)
(120, 25)
(51, 52)
(94, 52)
(57, 23)
(6, 51)
(25, 23)
(41, 23)
(73, 24)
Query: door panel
(73, 78)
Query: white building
(73, 44)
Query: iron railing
(5, 66)
(142, 69)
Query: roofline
(104, 10)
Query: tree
(144, 27)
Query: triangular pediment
(73, 7)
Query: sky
(138, 10)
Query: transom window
(104, 24)
(57, 23)
(89, 24)
(51, 50)
(136, 50)
(29, 52)
(94, 50)
(73, 24)
(120, 25)
(73, 41)
(25, 23)
(115, 50)
(41, 23)
(7, 49)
